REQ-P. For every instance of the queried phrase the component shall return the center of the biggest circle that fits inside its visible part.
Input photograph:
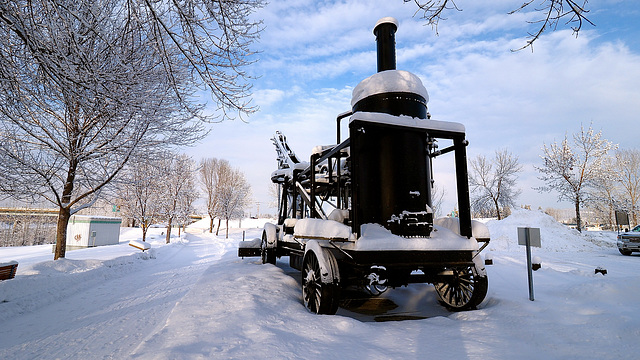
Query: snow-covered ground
(194, 299)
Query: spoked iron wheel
(318, 297)
(462, 289)
(268, 255)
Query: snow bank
(199, 300)
(553, 235)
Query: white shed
(88, 231)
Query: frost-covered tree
(209, 172)
(177, 185)
(140, 192)
(493, 181)
(574, 170)
(606, 196)
(628, 173)
(87, 86)
(553, 13)
(437, 199)
(234, 194)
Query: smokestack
(385, 32)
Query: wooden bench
(8, 270)
(142, 245)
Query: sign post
(529, 237)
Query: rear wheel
(462, 288)
(318, 297)
(268, 254)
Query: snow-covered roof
(389, 81)
(408, 121)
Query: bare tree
(88, 85)
(628, 172)
(493, 182)
(574, 171)
(571, 12)
(209, 176)
(234, 193)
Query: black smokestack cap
(385, 32)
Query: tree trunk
(578, 220)
(227, 232)
(64, 215)
(495, 202)
(144, 227)
(168, 239)
(218, 229)
(210, 224)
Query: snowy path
(197, 300)
(102, 308)
(256, 310)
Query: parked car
(629, 241)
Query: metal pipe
(340, 117)
(385, 31)
(462, 184)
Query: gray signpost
(529, 237)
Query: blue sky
(313, 53)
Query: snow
(328, 229)
(389, 81)
(196, 299)
(384, 20)
(288, 172)
(375, 237)
(408, 121)
(8, 263)
(142, 245)
(478, 229)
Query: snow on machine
(359, 213)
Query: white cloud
(268, 97)
(314, 53)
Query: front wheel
(318, 297)
(624, 252)
(462, 289)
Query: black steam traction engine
(380, 232)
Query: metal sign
(529, 237)
(534, 236)
(622, 218)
